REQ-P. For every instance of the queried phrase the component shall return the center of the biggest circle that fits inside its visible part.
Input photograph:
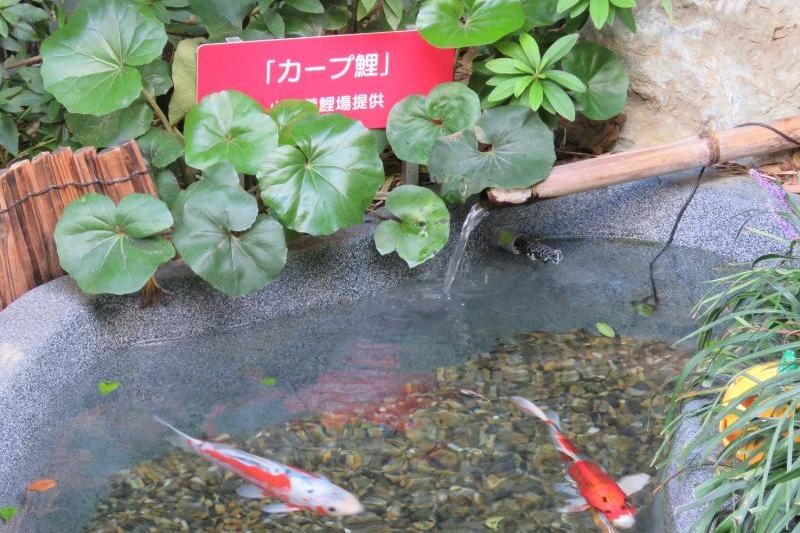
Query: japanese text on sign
(360, 75)
(366, 66)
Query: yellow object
(752, 377)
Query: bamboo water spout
(706, 149)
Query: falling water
(476, 214)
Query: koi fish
(593, 489)
(299, 490)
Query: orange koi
(594, 489)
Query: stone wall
(718, 63)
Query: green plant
(601, 11)
(750, 316)
(113, 249)
(421, 226)
(319, 180)
(453, 23)
(7, 513)
(593, 75)
(532, 79)
(287, 169)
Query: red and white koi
(596, 490)
(298, 490)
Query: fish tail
(179, 438)
(531, 408)
(563, 444)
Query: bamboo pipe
(706, 149)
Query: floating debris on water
(461, 457)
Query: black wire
(652, 298)
(773, 129)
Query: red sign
(359, 75)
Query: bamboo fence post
(706, 149)
(33, 194)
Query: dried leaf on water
(643, 309)
(107, 387)
(467, 392)
(605, 330)
(41, 485)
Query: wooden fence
(34, 193)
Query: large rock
(718, 63)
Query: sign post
(359, 75)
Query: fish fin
(574, 505)
(567, 489)
(633, 483)
(250, 491)
(554, 418)
(280, 508)
(530, 408)
(602, 520)
(179, 439)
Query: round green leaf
(89, 64)
(307, 6)
(380, 140)
(167, 187)
(326, 180)
(509, 147)
(160, 148)
(605, 330)
(184, 77)
(7, 513)
(299, 24)
(156, 77)
(423, 228)
(107, 387)
(456, 24)
(222, 174)
(229, 127)
(416, 122)
(540, 13)
(224, 240)
(9, 135)
(287, 113)
(109, 249)
(107, 130)
(605, 78)
(222, 18)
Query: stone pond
(347, 335)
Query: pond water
(402, 400)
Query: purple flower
(777, 202)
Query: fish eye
(331, 509)
(605, 499)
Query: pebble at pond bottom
(437, 459)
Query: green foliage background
(99, 72)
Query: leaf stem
(354, 17)
(159, 113)
(25, 62)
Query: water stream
(476, 214)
